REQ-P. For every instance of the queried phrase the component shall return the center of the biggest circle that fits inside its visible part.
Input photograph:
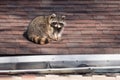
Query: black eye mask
(61, 24)
(53, 24)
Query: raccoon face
(57, 22)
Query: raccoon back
(37, 30)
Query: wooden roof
(93, 26)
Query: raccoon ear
(53, 15)
(63, 17)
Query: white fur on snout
(56, 25)
(59, 26)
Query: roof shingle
(92, 26)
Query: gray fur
(46, 27)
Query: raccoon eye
(53, 24)
(61, 24)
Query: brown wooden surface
(93, 26)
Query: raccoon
(44, 29)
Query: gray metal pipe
(66, 70)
